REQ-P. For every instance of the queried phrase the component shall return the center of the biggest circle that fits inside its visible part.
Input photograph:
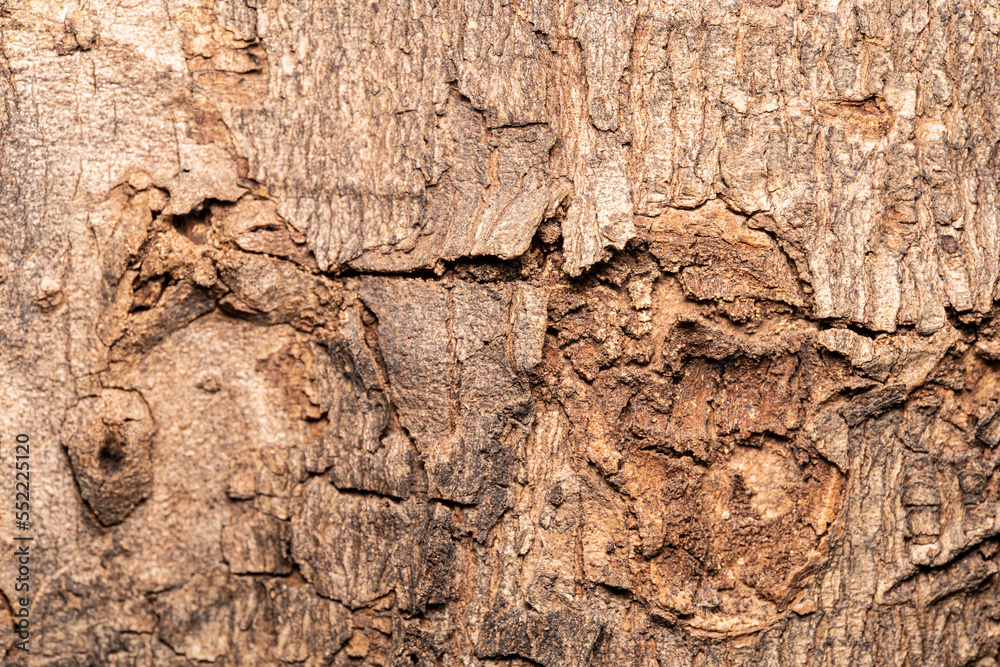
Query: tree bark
(541, 332)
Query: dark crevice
(111, 453)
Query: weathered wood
(481, 333)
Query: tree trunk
(464, 332)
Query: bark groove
(542, 332)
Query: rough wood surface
(536, 332)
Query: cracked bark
(480, 333)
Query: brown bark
(555, 332)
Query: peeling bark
(530, 333)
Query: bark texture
(534, 332)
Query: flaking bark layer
(543, 332)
